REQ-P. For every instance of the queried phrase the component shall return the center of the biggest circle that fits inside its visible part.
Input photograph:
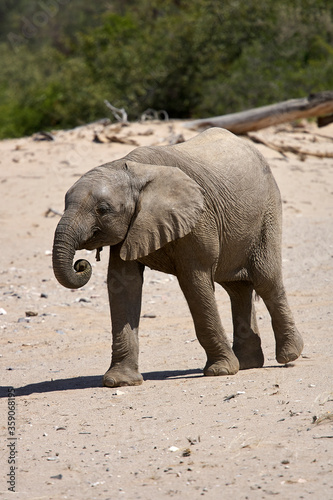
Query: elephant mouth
(93, 243)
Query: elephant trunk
(64, 247)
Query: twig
(44, 136)
(289, 149)
(258, 140)
(328, 416)
(152, 114)
(52, 211)
(316, 134)
(119, 114)
(122, 140)
(227, 398)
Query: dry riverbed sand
(259, 434)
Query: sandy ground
(259, 434)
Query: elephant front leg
(125, 281)
(199, 293)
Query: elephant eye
(103, 209)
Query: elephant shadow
(92, 381)
(89, 382)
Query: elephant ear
(169, 205)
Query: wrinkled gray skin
(207, 210)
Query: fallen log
(319, 104)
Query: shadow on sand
(68, 384)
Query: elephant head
(141, 206)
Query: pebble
(59, 476)
(23, 320)
(173, 448)
(118, 393)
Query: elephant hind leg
(289, 343)
(247, 342)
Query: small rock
(118, 393)
(173, 448)
(30, 314)
(23, 320)
(43, 296)
(59, 476)
(2, 311)
(43, 136)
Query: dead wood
(51, 212)
(119, 113)
(122, 140)
(322, 121)
(320, 104)
(287, 148)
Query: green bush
(192, 58)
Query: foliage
(61, 58)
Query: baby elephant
(207, 210)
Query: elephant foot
(119, 378)
(226, 366)
(249, 358)
(289, 348)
